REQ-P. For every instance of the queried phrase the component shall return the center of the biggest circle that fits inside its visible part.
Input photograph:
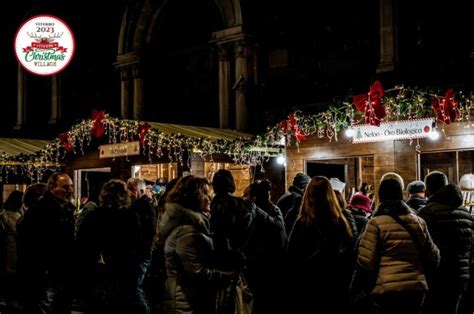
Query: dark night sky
(332, 50)
(90, 80)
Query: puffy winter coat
(388, 246)
(450, 226)
(191, 282)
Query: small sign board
(396, 130)
(119, 150)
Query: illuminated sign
(119, 150)
(396, 130)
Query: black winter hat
(416, 187)
(301, 180)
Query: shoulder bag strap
(410, 231)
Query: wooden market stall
(354, 163)
(17, 166)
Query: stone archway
(140, 21)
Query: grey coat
(191, 281)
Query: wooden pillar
(55, 100)
(224, 86)
(388, 36)
(240, 85)
(20, 102)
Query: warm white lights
(281, 159)
(350, 132)
(434, 134)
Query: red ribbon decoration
(65, 139)
(291, 125)
(97, 125)
(142, 129)
(446, 109)
(371, 104)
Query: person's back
(416, 195)
(290, 202)
(109, 241)
(320, 252)
(388, 250)
(47, 241)
(450, 226)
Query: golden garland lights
(378, 105)
(398, 103)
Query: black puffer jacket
(450, 226)
(288, 200)
(188, 249)
(231, 219)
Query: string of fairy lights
(376, 106)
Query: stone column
(131, 84)
(20, 102)
(388, 36)
(124, 92)
(138, 94)
(55, 100)
(224, 86)
(240, 85)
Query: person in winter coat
(416, 195)
(320, 252)
(290, 202)
(191, 279)
(271, 244)
(8, 272)
(361, 207)
(450, 225)
(109, 242)
(47, 240)
(388, 249)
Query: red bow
(65, 139)
(446, 109)
(291, 125)
(97, 125)
(371, 104)
(142, 129)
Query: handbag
(236, 297)
(243, 296)
(362, 283)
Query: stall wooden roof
(197, 131)
(18, 146)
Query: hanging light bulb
(434, 134)
(281, 160)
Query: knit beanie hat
(301, 180)
(360, 201)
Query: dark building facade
(231, 63)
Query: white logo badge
(44, 45)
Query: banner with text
(120, 149)
(396, 130)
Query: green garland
(400, 104)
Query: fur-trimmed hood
(176, 215)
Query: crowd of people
(184, 253)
